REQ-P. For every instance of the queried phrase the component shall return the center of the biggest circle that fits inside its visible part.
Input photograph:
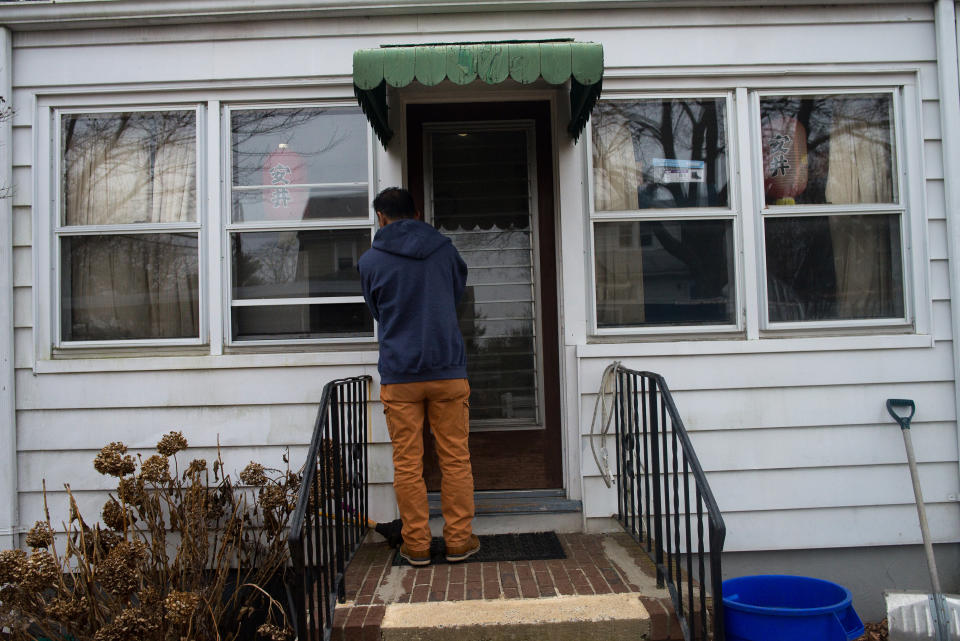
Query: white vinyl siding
(803, 415)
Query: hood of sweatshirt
(410, 238)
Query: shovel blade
(910, 616)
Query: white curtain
(860, 172)
(619, 274)
(120, 169)
(615, 174)
(619, 259)
(862, 258)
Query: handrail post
(657, 486)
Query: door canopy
(490, 62)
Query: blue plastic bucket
(788, 608)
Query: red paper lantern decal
(282, 169)
(784, 159)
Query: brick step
(601, 573)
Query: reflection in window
(677, 272)
(481, 201)
(828, 149)
(659, 154)
(307, 165)
(126, 168)
(137, 169)
(129, 286)
(298, 264)
(298, 163)
(299, 322)
(834, 267)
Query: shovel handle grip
(902, 403)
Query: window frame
(900, 208)
(916, 136)
(732, 212)
(59, 230)
(229, 227)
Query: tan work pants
(447, 405)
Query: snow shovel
(915, 616)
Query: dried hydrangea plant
(176, 555)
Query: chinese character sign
(283, 199)
(784, 159)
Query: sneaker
(416, 558)
(465, 551)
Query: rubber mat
(531, 546)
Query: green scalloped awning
(492, 63)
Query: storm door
(481, 188)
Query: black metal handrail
(331, 516)
(659, 470)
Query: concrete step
(514, 511)
(606, 617)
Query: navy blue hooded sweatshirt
(413, 279)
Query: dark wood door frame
(520, 464)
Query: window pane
(659, 154)
(298, 146)
(677, 272)
(834, 268)
(828, 149)
(129, 287)
(297, 264)
(481, 201)
(300, 203)
(301, 321)
(129, 167)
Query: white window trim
(899, 208)
(730, 212)
(912, 185)
(227, 226)
(59, 230)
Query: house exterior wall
(789, 426)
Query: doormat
(532, 546)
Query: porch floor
(596, 564)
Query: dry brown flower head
(113, 460)
(130, 490)
(171, 443)
(68, 609)
(181, 606)
(274, 632)
(41, 572)
(118, 573)
(107, 540)
(156, 469)
(40, 536)
(253, 474)
(130, 624)
(13, 564)
(273, 497)
(115, 516)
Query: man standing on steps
(412, 279)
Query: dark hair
(395, 202)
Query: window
(832, 216)
(128, 228)
(829, 211)
(299, 222)
(663, 224)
